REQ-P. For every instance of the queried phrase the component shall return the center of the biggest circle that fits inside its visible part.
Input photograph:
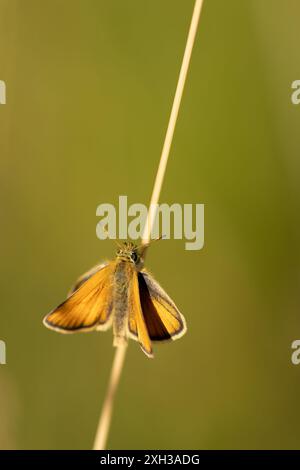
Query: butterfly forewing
(136, 322)
(84, 277)
(89, 307)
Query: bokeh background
(89, 89)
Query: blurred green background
(89, 89)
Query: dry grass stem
(117, 366)
(105, 417)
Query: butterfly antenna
(116, 241)
(143, 247)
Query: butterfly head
(128, 251)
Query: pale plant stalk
(118, 362)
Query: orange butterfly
(122, 294)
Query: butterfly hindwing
(162, 317)
(89, 307)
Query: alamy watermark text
(180, 221)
